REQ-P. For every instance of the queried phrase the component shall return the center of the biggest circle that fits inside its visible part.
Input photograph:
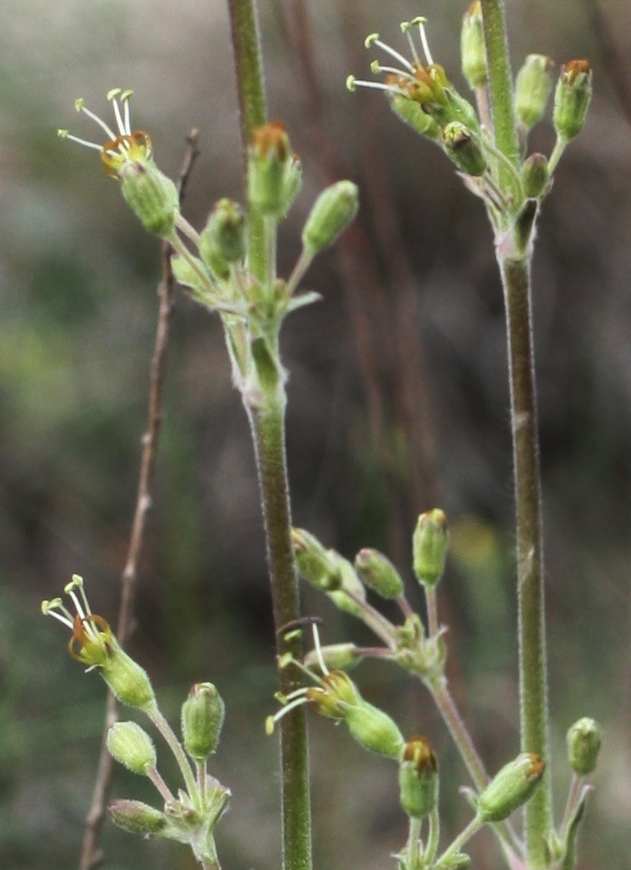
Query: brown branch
(91, 854)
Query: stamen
(318, 650)
(376, 68)
(373, 39)
(64, 134)
(81, 108)
(421, 22)
(352, 83)
(270, 722)
(405, 28)
(56, 609)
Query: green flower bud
(314, 563)
(351, 592)
(571, 99)
(127, 680)
(418, 778)
(414, 115)
(511, 787)
(378, 573)
(137, 817)
(269, 160)
(535, 175)
(429, 546)
(583, 745)
(472, 50)
(331, 213)
(202, 719)
(151, 195)
(337, 656)
(374, 730)
(130, 745)
(222, 241)
(464, 147)
(533, 87)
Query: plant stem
(530, 587)
(251, 93)
(500, 81)
(268, 429)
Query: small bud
(583, 745)
(429, 546)
(511, 787)
(351, 592)
(337, 656)
(472, 51)
(535, 175)
(130, 745)
(413, 114)
(222, 241)
(533, 87)
(378, 573)
(464, 148)
(418, 778)
(151, 195)
(127, 680)
(331, 213)
(314, 563)
(202, 720)
(137, 817)
(269, 159)
(374, 730)
(571, 98)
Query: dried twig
(91, 855)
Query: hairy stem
(530, 575)
(500, 81)
(268, 429)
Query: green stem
(530, 582)
(500, 83)
(267, 420)
(251, 93)
(268, 429)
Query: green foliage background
(398, 402)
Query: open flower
(128, 157)
(122, 148)
(93, 643)
(422, 82)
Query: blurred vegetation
(398, 402)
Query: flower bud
(418, 778)
(378, 573)
(130, 745)
(414, 115)
(351, 591)
(583, 745)
(535, 175)
(472, 50)
(464, 148)
(571, 98)
(511, 787)
(533, 87)
(374, 730)
(337, 656)
(331, 213)
(151, 195)
(429, 546)
(202, 720)
(222, 241)
(127, 680)
(137, 817)
(269, 159)
(314, 563)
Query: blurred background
(398, 402)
